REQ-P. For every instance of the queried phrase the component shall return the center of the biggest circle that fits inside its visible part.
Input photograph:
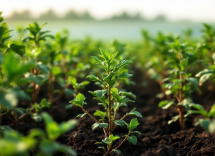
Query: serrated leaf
(99, 62)
(110, 78)
(122, 63)
(105, 55)
(100, 93)
(132, 139)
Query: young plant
(208, 122)
(111, 99)
(180, 83)
(36, 36)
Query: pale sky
(195, 10)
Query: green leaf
(183, 64)
(212, 111)
(48, 147)
(204, 78)
(132, 139)
(204, 123)
(66, 126)
(165, 104)
(99, 62)
(119, 122)
(72, 80)
(43, 68)
(98, 143)
(45, 103)
(79, 100)
(20, 110)
(81, 115)
(133, 112)
(18, 47)
(100, 125)
(133, 124)
(122, 63)
(117, 151)
(105, 55)
(110, 78)
(100, 93)
(37, 117)
(69, 92)
(67, 150)
(112, 57)
(53, 130)
(174, 119)
(100, 114)
(113, 138)
(137, 132)
(193, 81)
(128, 94)
(106, 141)
(103, 125)
(114, 91)
(93, 78)
(125, 75)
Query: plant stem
(89, 115)
(109, 111)
(94, 120)
(123, 117)
(34, 96)
(180, 108)
(121, 143)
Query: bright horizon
(194, 10)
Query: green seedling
(208, 122)
(180, 83)
(111, 99)
(14, 143)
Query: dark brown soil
(158, 138)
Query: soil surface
(158, 138)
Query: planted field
(88, 97)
